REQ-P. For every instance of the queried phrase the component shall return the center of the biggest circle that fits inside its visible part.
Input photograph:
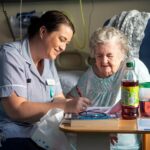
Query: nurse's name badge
(50, 82)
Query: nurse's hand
(76, 105)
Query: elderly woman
(101, 82)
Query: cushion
(144, 53)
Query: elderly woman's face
(108, 58)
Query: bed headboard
(73, 60)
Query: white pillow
(69, 79)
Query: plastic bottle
(144, 94)
(130, 92)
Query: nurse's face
(108, 58)
(55, 42)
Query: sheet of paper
(98, 109)
(143, 124)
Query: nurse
(29, 83)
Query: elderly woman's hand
(113, 139)
(76, 105)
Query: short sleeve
(12, 74)
(141, 71)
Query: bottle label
(130, 95)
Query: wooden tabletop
(105, 126)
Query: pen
(78, 91)
(28, 80)
(51, 92)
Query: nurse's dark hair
(51, 20)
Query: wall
(95, 13)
